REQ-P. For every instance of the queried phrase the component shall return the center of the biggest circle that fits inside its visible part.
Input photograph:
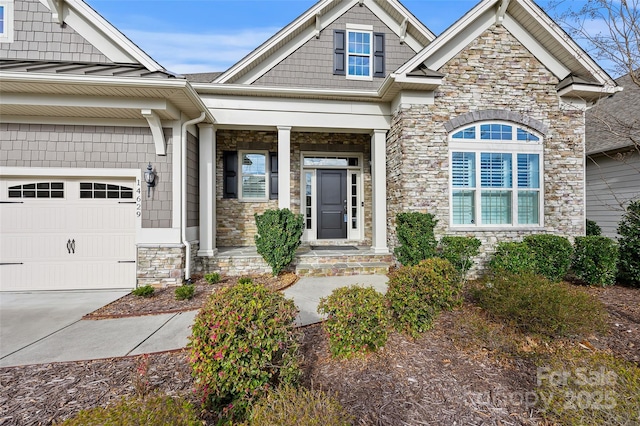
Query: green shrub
(356, 320)
(576, 387)
(552, 255)
(154, 410)
(245, 280)
(513, 258)
(629, 230)
(243, 341)
(460, 251)
(212, 278)
(416, 237)
(595, 260)
(593, 229)
(288, 406)
(537, 305)
(185, 292)
(416, 294)
(278, 237)
(144, 291)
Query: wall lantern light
(150, 178)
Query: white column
(207, 190)
(379, 184)
(284, 167)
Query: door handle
(71, 246)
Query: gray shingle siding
(38, 37)
(95, 147)
(312, 64)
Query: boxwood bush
(551, 253)
(595, 260)
(144, 291)
(278, 237)
(629, 230)
(513, 258)
(154, 410)
(212, 277)
(593, 229)
(288, 406)
(416, 237)
(460, 251)
(243, 342)
(417, 294)
(357, 320)
(537, 305)
(185, 292)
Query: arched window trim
(496, 180)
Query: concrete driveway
(47, 326)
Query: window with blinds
(492, 181)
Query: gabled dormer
(336, 44)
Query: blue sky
(190, 36)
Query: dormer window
(358, 52)
(6, 21)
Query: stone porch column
(379, 185)
(284, 167)
(207, 190)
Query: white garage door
(60, 234)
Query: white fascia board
(93, 80)
(394, 26)
(295, 105)
(86, 101)
(567, 42)
(291, 46)
(74, 121)
(447, 36)
(242, 89)
(598, 91)
(69, 172)
(538, 50)
(104, 36)
(439, 57)
(278, 38)
(415, 23)
(327, 122)
(427, 81)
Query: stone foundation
(160, 266)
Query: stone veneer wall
(495, 72)
(235, 221)
(160, 265)
(95, 147)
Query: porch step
(341, 269)
(308, 262)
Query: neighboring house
(349, 115)
(613, 156)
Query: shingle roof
(614, 123)
(83, 68)
(203, 77)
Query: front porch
(309, 261)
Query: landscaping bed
(164, 300)
(449, 374)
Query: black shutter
(230, 173)
(339, 52)
(273, 177)
(378, 55)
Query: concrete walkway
(42, 327)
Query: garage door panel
(37, 235)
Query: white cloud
(193, 53)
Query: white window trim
(267, 176)
(359, 28)
(513, 147)
(7, 36)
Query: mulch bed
(164, 300)
(431, 380)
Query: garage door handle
(11, 263)
(71, 246)
(126, 261)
